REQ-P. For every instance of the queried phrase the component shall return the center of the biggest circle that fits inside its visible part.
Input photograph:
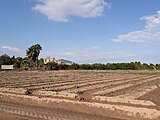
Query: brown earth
(137, 89)
(153, 96)
(12, 111)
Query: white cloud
(139, 36)
(153, 22)
(150, 33)
(61, 10)
(11, 48)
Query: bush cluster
(108, 66)
(25, 63)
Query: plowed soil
(12, 111)
(137, 89)
(153, 96)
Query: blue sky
(84, 31)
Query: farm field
(117, 94)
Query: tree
(52, 66)
(63, 67)
(25, 63)
(5, 60)
(33, 53)
(41, 62)
(74, 66)
(17, 62)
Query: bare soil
(153, 96)
(129, 89)
(12, 111)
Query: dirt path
(10, 111)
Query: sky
(83, 31)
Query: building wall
(49, 59)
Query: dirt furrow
(66, 83)
(87, 83)
(124, 88)
(153, 96)
(100, 87)
(44, 81)
(44, 113)
(26, 113)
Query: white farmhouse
(49, 59)
(61, 61)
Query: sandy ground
(5, 116)
(153, 96)
(123, 94)
(10, 111)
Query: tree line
(31, 61)
(108, 66)
(27, 64)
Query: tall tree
(33, 53)
(17, 62)
(5, 60)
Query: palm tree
(33, 53)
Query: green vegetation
(52, 66)
(5, 60)
(32, 62)
(27, 64)
(115, 66)
(32, 54)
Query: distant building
(7, 67)
(61, 61)
(49, 59)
